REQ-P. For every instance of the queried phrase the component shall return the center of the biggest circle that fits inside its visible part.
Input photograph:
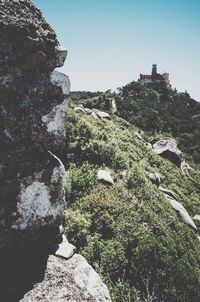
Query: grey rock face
(72, 280)
(33, 107)
(168, 149)
(32, 42)
(33, 110)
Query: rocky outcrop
(94, 114)
(168, 149)
(73, 280)
(33, 110)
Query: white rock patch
(102, 114)
(61, 80)
(105, 176)
(114, 106)
(89, 281)
(57, 171)
(35, 204)
(55, 120)
(177, 206)
(65, 249)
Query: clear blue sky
(111, 41)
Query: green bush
(128, 231)
(79, 180)
(77, 226)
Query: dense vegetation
(158, 110)
(128, 231)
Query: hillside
(126, 227)
(158, 110)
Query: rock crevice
(33, 108)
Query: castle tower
(154, 72)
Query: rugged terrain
(139, 229)
(37, 262)
(127, 190)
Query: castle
(154, 76)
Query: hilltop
(157, 109)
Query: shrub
(79, 181)
(77, 227)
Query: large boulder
(33, 109)
(72, 280)
(33, 102)
(168, 149)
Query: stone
(168, 149)
(94, 115)
(138, 135)
(114, 106)
(88, 110)
(185, 167)
(178, 207)
(61, 80)
(33, 110)
(103, 115)
(168, 192)
(61, 229)
(72, 280)
(31, 120)
(79, 109)
(55, 121)
(32, 61)
(33, 102)
(105, 177)
(61, 54)
(29, 34)
(196, 219)
(65, 249)
(155, 178)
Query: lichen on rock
(32, 116)
(33, 109)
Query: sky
(110, 42)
